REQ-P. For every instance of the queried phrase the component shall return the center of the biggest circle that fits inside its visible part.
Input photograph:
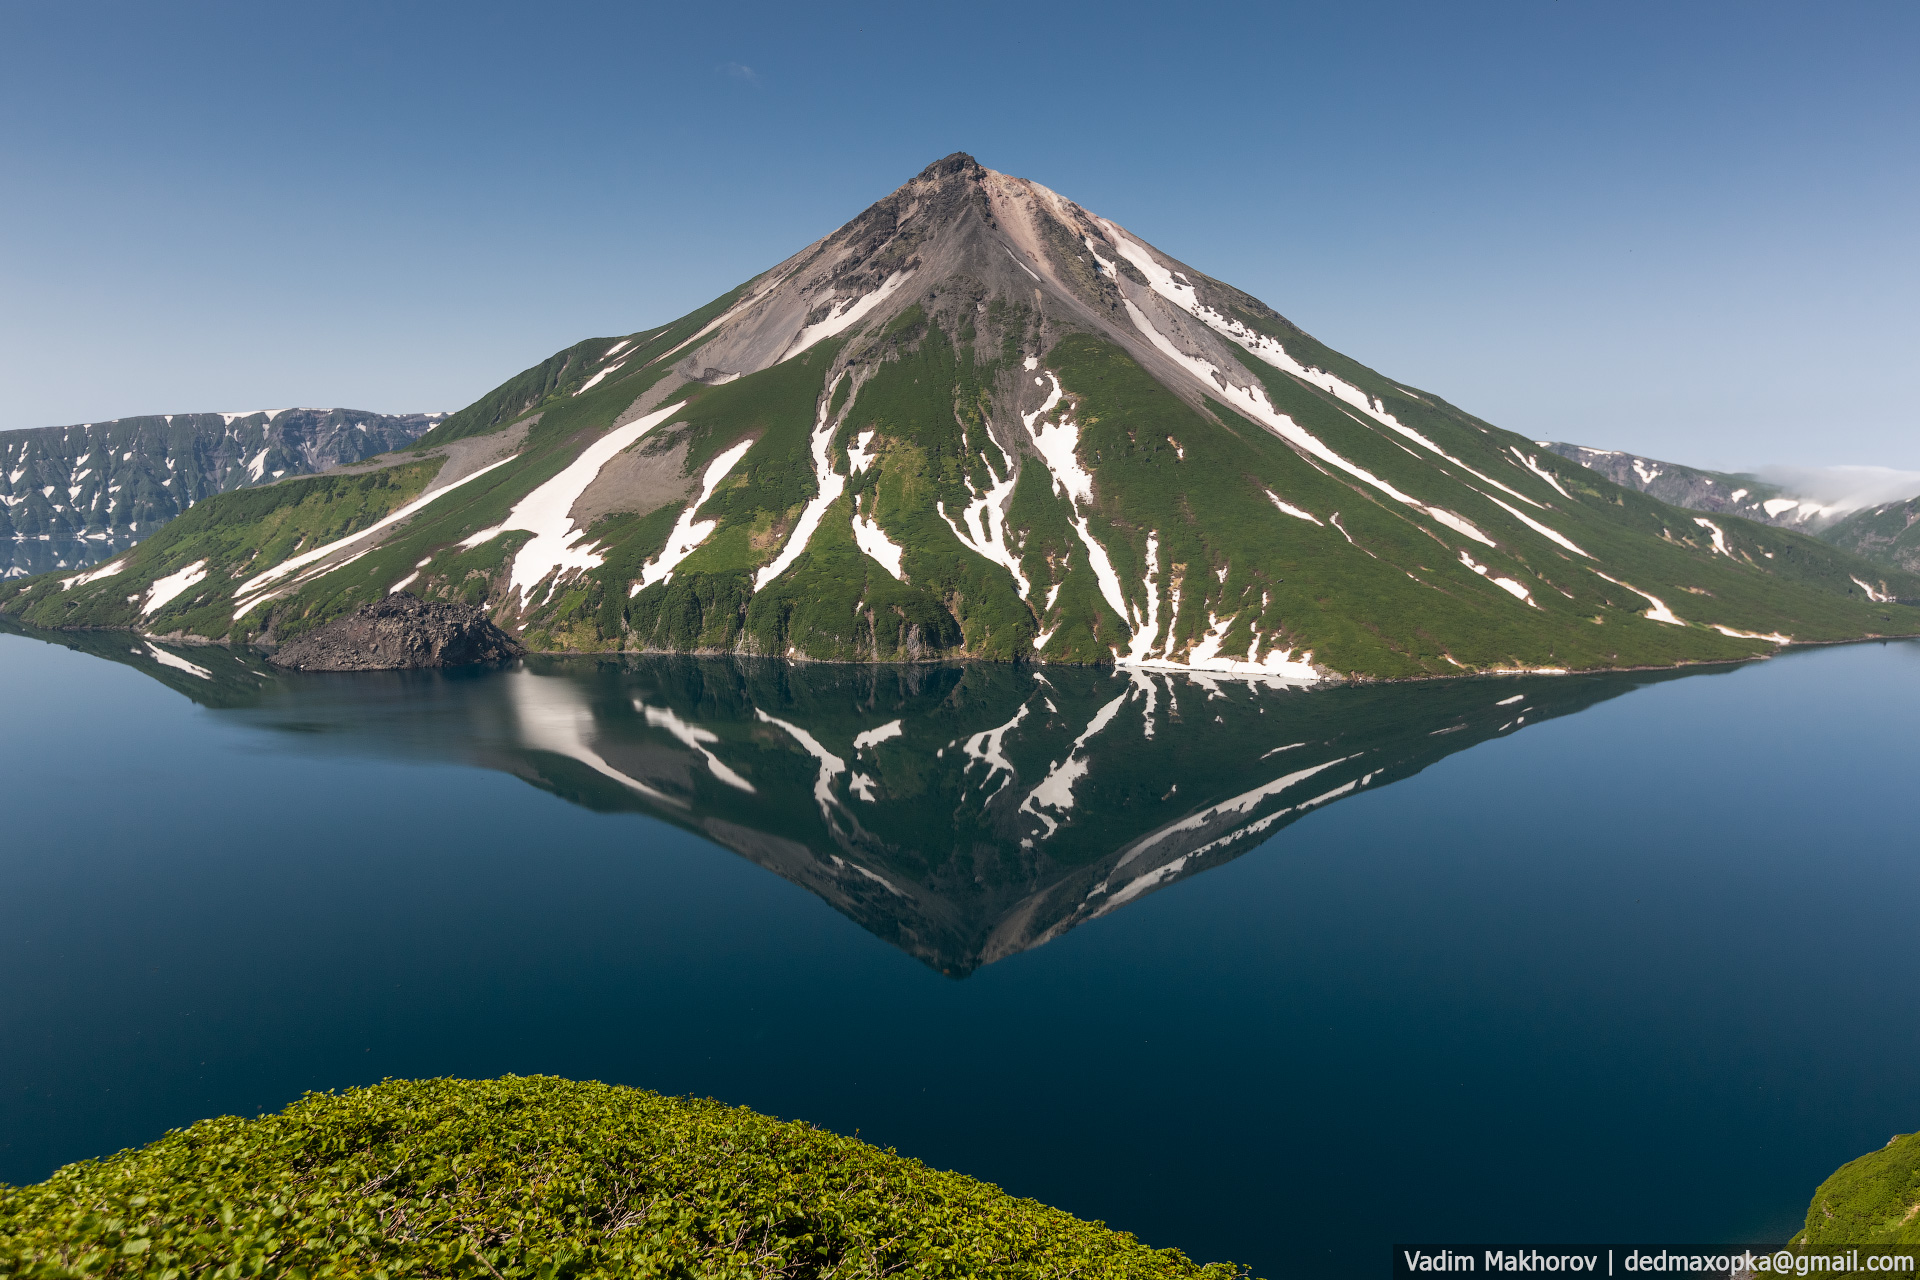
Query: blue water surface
(1645, 971)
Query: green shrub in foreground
(1874, 1200)
(537, 1176)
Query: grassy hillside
(1377, 592)
(1874, 1200)
(907, 442)
(526, 1177)
(1888, 534)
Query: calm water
(1640, 966)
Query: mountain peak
(981, 420)
(959, 164)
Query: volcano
(981, 421)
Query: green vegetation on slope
(1874, 1200)
(538, 1177)
(1406, 539)
(1888, 534)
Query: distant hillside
(72, 496)
(1883, 533)
(1730, 493)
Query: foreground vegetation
(1872, 1201)
(538, 1177)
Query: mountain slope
(978, 420)
(1726, 493)
(1882, 533)
(1886, 534)
(95, 487)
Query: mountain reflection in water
(962, 813)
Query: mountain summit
(979, 420)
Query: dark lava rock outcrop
(399, 632)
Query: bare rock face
(398, 633)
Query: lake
(1263, 974)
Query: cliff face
(96, 487)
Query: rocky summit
(400, 632)
(980, 420)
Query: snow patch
(1535, 525)
(874, 737)
(844, 315)
(165, 590)
(688, 532)
(1058, 444)
(306, 558)
(1292, 510)
(1175, 289)
(1774, 637)
(1877, 597)
(1508, 585)
(108, 570)
(545, 513)
(1253, 402)
(594, 381)
(830, 484)
(873, 540)
(1658, 613)
(1719, 537)
(860, 453)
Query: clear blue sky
(1684, 229)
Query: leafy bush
(537, 1176)
(1874, 1200)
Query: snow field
(1508, 585)
(830, 485)
(844, 316)
(108, 570)
(1292, 510)
(1658, 613)
(688, 532)
(874, 737)
(545, 512)
(165, 590)
(1877, 597)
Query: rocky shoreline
(401, 632)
